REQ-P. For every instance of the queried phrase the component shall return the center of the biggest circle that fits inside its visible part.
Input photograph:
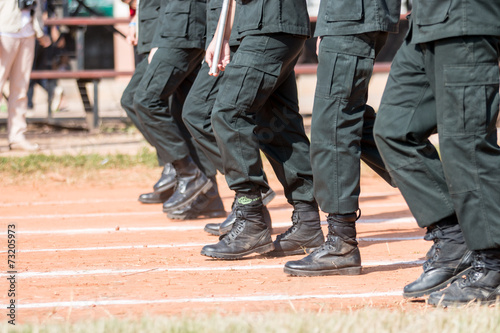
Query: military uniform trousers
(159, 100)
(342, 122)
(449, 85)
(127, 101)
(257, 107)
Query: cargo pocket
(177, 15)
(335, 75)
(470, 92)
(147, 27)
(252, 20)
(431, 12)
(213, 14)
(250, 80)
(344, 10)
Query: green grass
(40, 163)
(473, 319)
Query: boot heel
(265, 248)
(350, 271)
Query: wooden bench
(82, 77)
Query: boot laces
(436, 234)
(236, 229)
(476, 272)
(292, 229)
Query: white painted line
(69, 216)
(65, 202)
(389, 239)
(90, 201)
(185, 227)
(79, 273)
(228, 299)
(179, 245)
(124, 247)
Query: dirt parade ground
(89, 249)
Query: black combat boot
(248, 235)
(480, 285)
(207, 205)
(447, 260)
(218, 229)
(164, 187)
(339, 255)
(214, 228)
(267, 197)
(190, 183)
(303, 236)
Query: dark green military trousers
(450, 85)
(159, 100)
(197, 113)
(257, 107)
(127, 101)
(342, 122)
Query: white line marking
(65, 202)
(69, 216)
(57, 274)
(166, 246)
(184, 227)
(229, 299)
(124, 247)
(89, 201)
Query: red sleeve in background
(132, 12)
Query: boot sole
(193, 216)
(211, 231)
(168, 194)
(444, 304)
(204, 189)
(150, 201)
(339, 271)
(421, 293)
(261, 250)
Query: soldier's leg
(405, 120)
(261, 64)
(339, 139)
(165, 73)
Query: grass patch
(473, 319)
(40, 163)
(79, 168)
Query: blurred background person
(21, 24)
(49, 58)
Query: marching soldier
(350, 35)
(445, 78)
(259, 88)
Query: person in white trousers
(21, 24)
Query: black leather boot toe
(339, 255)
(480, 285)
(249, 233)
(167, 179)
(207, 205)
(448, 259)
(302, 237)
(156, 197)
(190, 183)
(212, 228)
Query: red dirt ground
(75, 257)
